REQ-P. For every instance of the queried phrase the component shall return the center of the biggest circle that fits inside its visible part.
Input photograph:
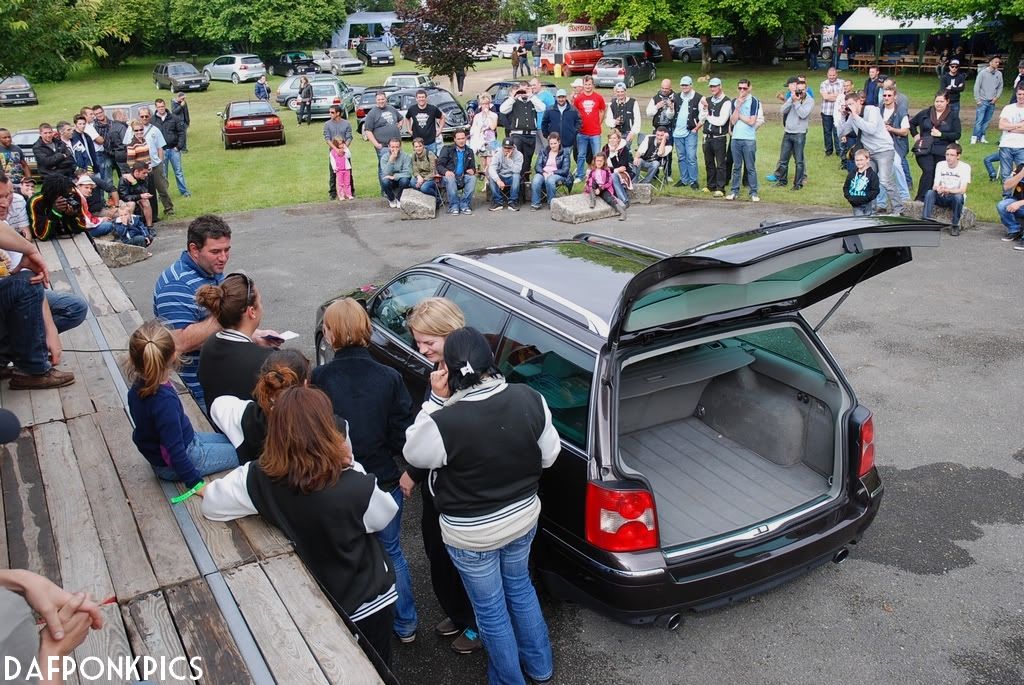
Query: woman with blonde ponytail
(163, 433)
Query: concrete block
(575, 209)
(641, 194)
(417, 205)
(115, 254)
(968, 220)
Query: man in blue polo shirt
(208, 247)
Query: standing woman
(430, 322)
(374, 400)
(305, 101)
(483, 136)
(307, 484)
(933, 129)
(487, 446)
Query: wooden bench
(82, 507)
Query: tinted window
(785, 342)
(554, 368)
(391, 306)
(248, 109)
(608, 63)
(14, 82)
(324, 90)
(250, 60)
(181, 70)
(224, 60)
(482, 314)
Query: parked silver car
(338, 61)
(289, 90)
(235, 68)
(327, 92)
(623, 69)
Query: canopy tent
(340, 37)
(866, 22)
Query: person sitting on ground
(341, 164)
(424, 169)
(458, 166)
(600, 184)
(27, 189)
(130, 229)
(1011, 209)
(14, 207)
(57, 210)
(163, 433)
(395, 172)
(133, 189)
(952, 176)
(651, 154)
(230, 359)
(552, 169)
(97, 226)
(505, 175)
(861, 187)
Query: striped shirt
(828, 108)
(174, 301)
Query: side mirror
(220, 115)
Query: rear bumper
(637, 593)
(254, 137)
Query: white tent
(866, 20)
(340, 37)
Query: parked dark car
(291, 63)
(250, 122)
(179, 76)
(16, 90)
(455, 118)
(711, 446)
(647, 49)
(374, 53)
(366, 100)
(721, 51)
(25, 139)
(499, 90)
(627, 69)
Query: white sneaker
(984, 140)
(668, 179)
(398, 204)
(391, 204)
(974, 139)
(755, 198)
(730, 196)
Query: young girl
(599, 182)
(163, 433)
(341, 163)
(129, 228)
(483, 132)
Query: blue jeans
(429, 188)
(863, 210)
(209, 453)
(686, 153)
(434, 147)
(994, 157)
(931, 199)
(1011, 220)
(744, 154)
(831, 133)
(620, 190)
(981, 119)
(173, 157)
(541, 184)
(792, 146)
(901, 185)
(455, 200)
(392, 188)
(106, 168)
(585, 145)
(647, 170)
(406, 619)
(67, 310)
(103, 228)
(954, 109)
(1009, 158)
(512, 184)
(21, 314)
(508, 614)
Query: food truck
(571, 47)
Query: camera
(800, 93)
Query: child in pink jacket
(599, 182)
(341, 163)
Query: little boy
(129, 227)
(861, 187)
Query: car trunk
(729, 435)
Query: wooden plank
(205, 634)
(48, 252)
(165, 545)
(88, 251)
(195, 414)
(112, 289)
(334, 647)
(74, 398)
(266, 540)
(17, 401)
(82, 566)
(286, 653)
(151, 632)
(71, 253)
(225, 541)
(30, 542)
(114, 332)
(94, 372)
(4, 559)
(131, 320)
(46, 404)
(91, 291)
(119, 536)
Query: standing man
(335, 127)
(987, 89)
(158, 170)
(950, 189)
(524, 59)
(457, 165)
(715, 113)
(1019, 79)
(684, 132)
(591, 107)
(381, 124)
(897, 123)
(953, 83)
(521, 110)
(172, 128)
(536, 56)
(813, 48)
(796, 111)
(866, 120)
(82, 145)
(395, 172)
(547, 98)
(562, 119)
(747, 116)
(624, 115)
(662, 111)
(829, 90)
(179, 108)
(12, 159)
(53, 155)
(849, 140)
(112, 132)
(873, 88)
(425, 121)
(505, 176)
(1011, 143)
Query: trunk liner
(706, 484)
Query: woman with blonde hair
(374, 400)
(483, 137)
(163, 433)
(307, 484)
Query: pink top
(601, 179)
(339, 160)
(551, 165)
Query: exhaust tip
(670, 621)
(841, 555)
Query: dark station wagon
(711, 446)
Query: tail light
(360, 112)
(336, 101)
(622, 72)
(233, 123)
(620, 520)
(273, 121)
(862, 441)
(243, 67)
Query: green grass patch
(250, 178)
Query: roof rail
(594, 322)
(592, 237)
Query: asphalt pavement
(933, 594)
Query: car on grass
(455, 118)
(721, 51)
(327, 92)
(25, 138)
(338, 61)
(627, 69)
(16, 90)
(291, 63)
(712, 447)
(500, 90)
(409, 79)
(679, 45)
(644, 49)
(235, 68)
(289, 90)
(367, 100)
(504, 47)
(127, 111)
(374, 53)
(250, 122)
(179, 76)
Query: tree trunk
(705, 54)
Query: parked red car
(251, 122)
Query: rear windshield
(248, 109)
(324, 89)
(250, 60)
(375, 45)
(609, 62)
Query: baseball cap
(578, 83)
(9, 426)
(507, 143)
(792, 79)
(686, 81)
(560, 93)
(85, 180)
(28, 179)
(954, 61)
(620, 86)
(715, 82)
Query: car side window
(558, 370)
(482, 314)
(391, 306)
(785, 342)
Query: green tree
(256, 24)
(446, 33)
(45, 38)
(131, 28)
(528, 14)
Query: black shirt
(229, 364)
(424, 122)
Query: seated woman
(551, 170)
(307, 484)
(621, 163)
(230, 360)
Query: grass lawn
(250, 178)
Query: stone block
(417, 205)
(575, 209)
(968, 220)
(115, 254)
(641, 194)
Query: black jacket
(181, 111)
(229, 364)
(55, 158)
(171, 127)
(949, 130)
(130, 192)
(446, 161)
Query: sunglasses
(138, 130)
(248, 286)
(743, 87)
(144, 116)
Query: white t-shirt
(1014, 115)
(945, 177)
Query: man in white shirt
(1011, 144)
(829, 90)
(950, 190)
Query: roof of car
(176, 64)
(409, 73)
